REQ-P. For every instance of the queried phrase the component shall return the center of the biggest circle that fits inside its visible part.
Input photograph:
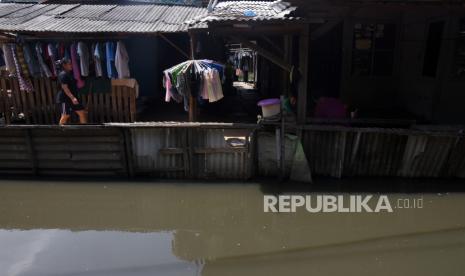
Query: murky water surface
(94, 228)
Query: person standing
(66, 97)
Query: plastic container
(270, 107)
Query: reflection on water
(53, 228)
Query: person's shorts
(67, 108)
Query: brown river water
(122, 228)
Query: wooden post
(303, 69)
(192, 101)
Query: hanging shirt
(24, 84)
(52, 55)
(122, 61)
(32, 62)
(43, 66)
(9, 61)
(83, 53)
(75, 63)
(22, 62)
(110, 57)
(97, 60)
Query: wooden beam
(272, 44)
(192, 100)
(173, 45)
(264, 53)
(303, 81)
(323, 29)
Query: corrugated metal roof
(248, 11)
(97, 18)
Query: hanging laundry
(52, 56)
(75, 63)
(96, 57)
(83, 53)
(24, 84)
(197, 78)
(44, 68)
(22, 62)
(32, 62)
(61, 50)
(110, 57)
(122, 61)
(9, 61)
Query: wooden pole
(303, 69)
(173, 45)
(192, 101)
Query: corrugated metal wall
(339, 153)
(54, 151)
(190, 153)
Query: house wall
(368, 92)
(438, 99)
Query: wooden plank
(90, 108)
(56, 113)
(31, 101)
(43, 100)
(96, 108)
(38, 102)
(6, 101)
(16, 96)
(126, 99)
(107, 98)
(119, 103)
(49, 102)
(132, 105)
(114, 107)
(101, 100)
(24, 100)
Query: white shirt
(122, 61)
(83, 53)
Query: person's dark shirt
(66, 78)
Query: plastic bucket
(270, 107)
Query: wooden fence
(39, 106)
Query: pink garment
(330, 108)
(168, 87)
(75, 62)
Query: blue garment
(110, 54)
(31, 61)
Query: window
(373, 49)
(459, 60)
(433, 49)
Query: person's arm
(69, 94)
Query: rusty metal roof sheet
(97, 18)
(227, 11)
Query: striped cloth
(22, 62)
(24, 84)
